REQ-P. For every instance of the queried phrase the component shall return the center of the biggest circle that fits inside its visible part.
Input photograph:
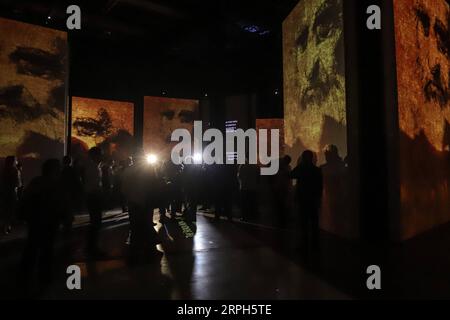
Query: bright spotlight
(151, 159)
(197, 158)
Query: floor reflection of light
(165, 269)
(100, 267)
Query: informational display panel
(422, 36)
(104, 123)
(314, 78)
(33, 71)
(230, 127)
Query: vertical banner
(314, 78)
(33, 64)
(422, 37)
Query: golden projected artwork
(270, 124)
(33, 63)
(161, 117)
(314, 77)
(105, 123)
(423, 55)
(422, 34)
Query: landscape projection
(104, 123)
(422, 35)
(33, 63)
(314, 81)
(161, 117)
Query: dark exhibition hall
(251, 150)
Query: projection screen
(422, 34)
(314, 81)
(33, 64)
(104, 123)
(161, 117)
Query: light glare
(151, 159)
(197, 158)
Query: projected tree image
(104, 123)
(314, 83)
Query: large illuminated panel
(422, 34)
(161, 117)
(105, 123)
(314, 81)
(272, 124)
(33, 63)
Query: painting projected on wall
(422, 34)
(33, 64)
(104, 123)
(272, 124)
(314, 82)
(161, 117)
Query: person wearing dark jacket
(309, 196)
(141, 187)
(248, 176)
(10, 184)
(72, 189)
(191, 189)
(94, 199)
(43, 212)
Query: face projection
(104, 123)
(422, 34)
(314, 83)
(436, 81)
(33, 64)
(423, 55)
(161, 117)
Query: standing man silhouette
(93, 192)
(309, 197)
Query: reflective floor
(204, 260)
(213, 259)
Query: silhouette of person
(334, 162)
(140, 185)
(78, 167)
(21, 180)
(107, 182)
(93, 194)
(225, 177)
(43, 210)
(123, 165)
(309, 185)
(174, 175)
(10, 183)
(248, 177)
(334, 191)
(163, 201)
(207, 187)
(71, 187)
(281, 188)
(191, 189)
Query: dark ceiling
(184, 47)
